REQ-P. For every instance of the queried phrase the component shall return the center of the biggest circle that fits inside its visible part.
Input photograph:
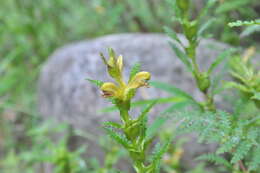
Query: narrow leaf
(182, 56)
(170, 89)
(172, 34)
(146, 110)
(205, 26)
(112, 124)
(159, 151)
(135, 69)
(256, 96)
(121, 139)
(220, 58)
(96, 82)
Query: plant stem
(137, 152)
(242, 166)
(210, 105)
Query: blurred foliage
(30, 30)
(229, 11)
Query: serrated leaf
(96, 82)
(224, 55)
(152, 130)
(146, 110)
(159, 152)
(241, 151)
(119, 138)
(182, 56)
(215, 159)
(227, 146)
(255, 163)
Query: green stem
(210, 104)
(137, 152)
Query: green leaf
(205, 26)
(256, 96)
(227, 146)
(244, 23)
(255, 164)
(224, 55)
(250, 30)
(112, 124)
(205, 10)
(103, 58)
(96, 82)
(119, 138)
(135, 69)
(172, 34)
(230, 5)
(162, 118)
(241, 151)
(237, 86)
(159, 152)
(145, 102)
(146, 110)
(171, 89)
(182, 56)
(215, 159)
(111, 52)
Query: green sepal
(96, 82)
(134, 70)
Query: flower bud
(203, 82)
(183, 5)
(119, 63)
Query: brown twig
(242, 166)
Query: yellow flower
(121, 90)
(139, 80)
(109, 89)
(120, 64)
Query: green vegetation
(31, 30)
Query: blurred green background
(30, 30)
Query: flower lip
(109, 89)
(140, 80)
(107, 94)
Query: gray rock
(65, 94)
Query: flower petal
(109, 89)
